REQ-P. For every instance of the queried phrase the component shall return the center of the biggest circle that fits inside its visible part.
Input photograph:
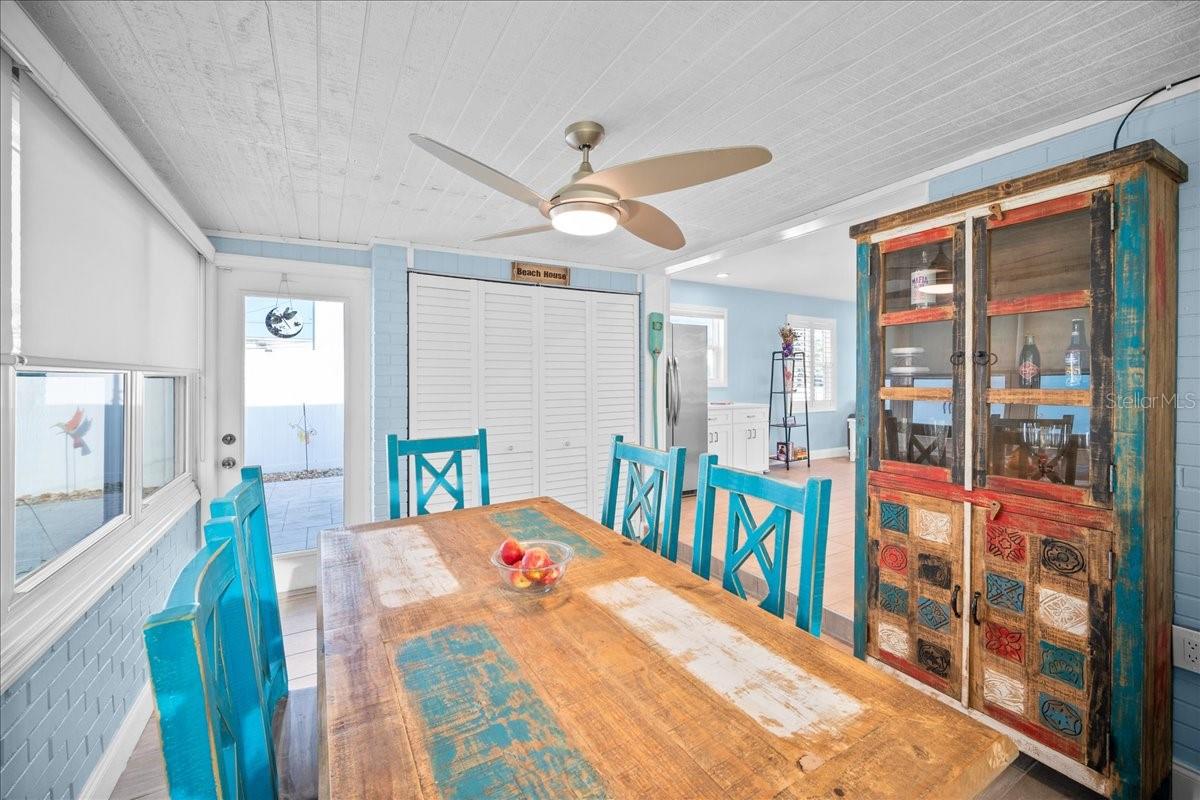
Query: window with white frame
(816, 337)
(74, 432)
(714, 320)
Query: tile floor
(297, 511)
(144, 777)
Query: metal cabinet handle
(228, 462)
(975, 607)
(958, 357)
(954, 601)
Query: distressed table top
(633, 678)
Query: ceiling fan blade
(516, 232)
(479, 171)
(647, 222)
(677, 171)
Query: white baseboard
(832, 452)
(115, 758)
(296, 572)
(1185, 781)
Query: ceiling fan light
(582, 218)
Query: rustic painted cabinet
(1016, 369)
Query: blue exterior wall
(389, 338)
(343, 256)
(57, 719)
(752, 329)
(500, 269)
(389, 319)
(1176, 125)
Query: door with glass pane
(1043, 332)
(291, 380)
(917, 282)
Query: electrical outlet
(1187, 648)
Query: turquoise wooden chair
(657, 495)
(210, 702)
(418, 449)
(246, 503)
(810, 500)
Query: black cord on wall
(1125, 118)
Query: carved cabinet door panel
(914, 595)
(1041, 631)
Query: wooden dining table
(631, 678)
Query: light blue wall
(752, 329)
(342, 256)
(389, 319)
(1176, 125)
(500, 269)
(389, 338)
(57, 719)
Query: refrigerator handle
(670, 386)
(673, 383)
(678, 388)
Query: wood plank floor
(145, 779)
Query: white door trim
(352, 286)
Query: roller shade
(103, 276)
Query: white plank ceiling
(292, 118)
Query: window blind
(103, 276)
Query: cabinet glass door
(1043, 331)
(919, 308)
(1041, 618)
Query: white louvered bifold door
(508, 396)
(566, 454)
(444, 369)
(613, 334)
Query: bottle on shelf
(918, 281)
(1076, 356)
(1029, 365)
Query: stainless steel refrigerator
(687, 396)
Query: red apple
(535, 562)
(511, 551)
(550, 575)
(518, 580)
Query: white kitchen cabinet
(739, 436)
(720, 434)
(551, 373)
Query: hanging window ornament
(281, 321)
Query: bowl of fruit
(534, 567)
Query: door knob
(228, 462)
(228, 438)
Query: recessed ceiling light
(722, 274)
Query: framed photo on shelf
(781, 451)
(789, 420)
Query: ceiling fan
(594, 203)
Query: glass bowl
(529, 576)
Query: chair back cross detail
(440, 478)
(747, 537)
(653, 490)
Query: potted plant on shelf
(788, 336)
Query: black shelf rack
(781, 366)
